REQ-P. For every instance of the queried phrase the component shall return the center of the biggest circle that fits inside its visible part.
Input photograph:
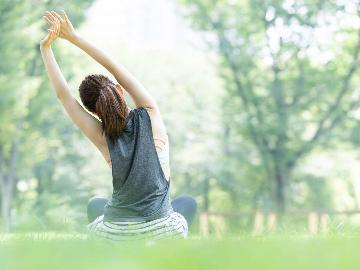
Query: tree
(287, 88)
(22, 82)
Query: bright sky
(138, 22)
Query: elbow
(60, 96)
(62, 93)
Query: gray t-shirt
(140, 188)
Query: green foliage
(34, 129)
(289, 70)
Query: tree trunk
(6, 198)
(7, 182)
(280, 193)
(206, 194)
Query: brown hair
(100, 96)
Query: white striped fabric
(172, 226)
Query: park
(234, 124)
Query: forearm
(94, 52)
(136, 90)
(121, 74)
(54, 73)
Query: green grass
(52, 251)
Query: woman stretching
(133, 142)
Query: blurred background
(260, 100)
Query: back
(140, 188)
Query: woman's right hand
(53, 33)
(67, 30)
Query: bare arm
(87, 123)
(137, 91)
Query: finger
(53, 34)
(48, 15)
(52, 17)
(54, 28)
(47, 20)
(64, 15)
(54, 20)
(57, 16)
(58, 29)
(51, 23)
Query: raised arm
(87, 123)
(137, 91)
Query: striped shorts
(172, 226)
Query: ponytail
(99, 95)
(111, 109)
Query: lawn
(63, 251)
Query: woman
(133, 142)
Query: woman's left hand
(53, 31)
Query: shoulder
(152, 112)
(156, 120)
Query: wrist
(44, 47)
(73, 37)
